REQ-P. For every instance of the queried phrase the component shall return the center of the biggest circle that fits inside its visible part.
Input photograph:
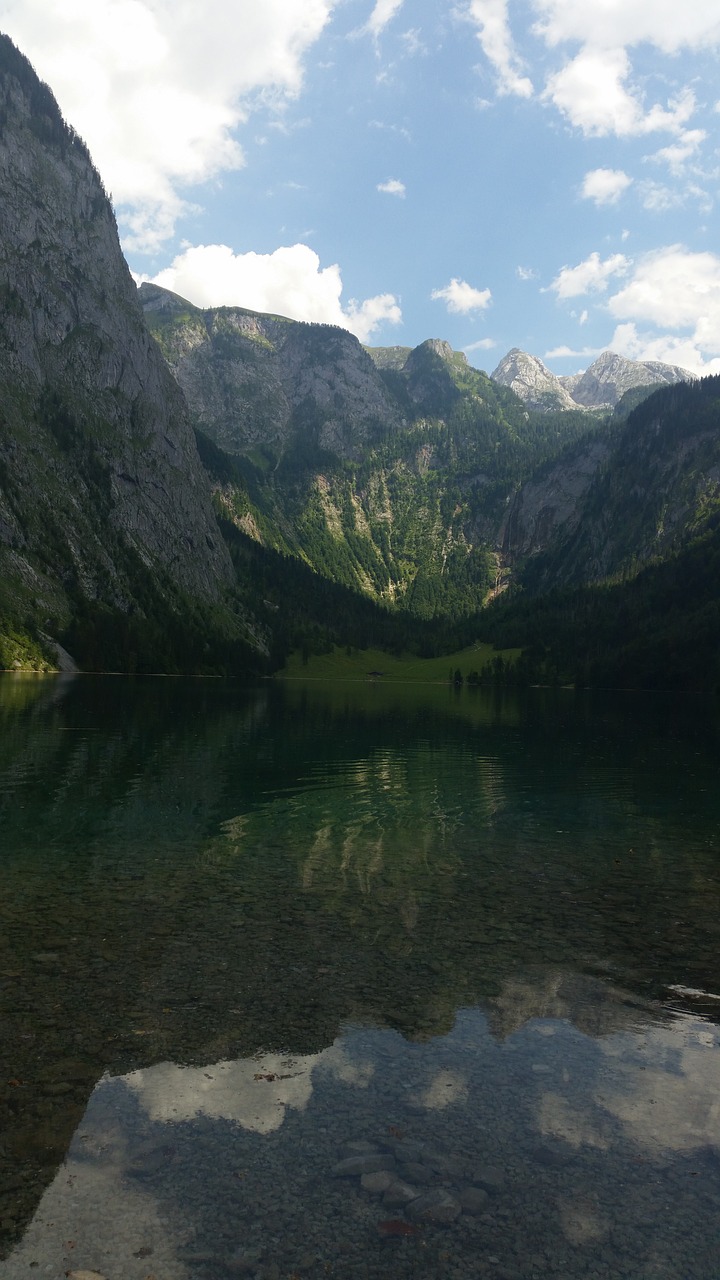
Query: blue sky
(532, 173)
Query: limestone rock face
(529, 378)
(611, 375)
(252, 379)
(99, 472)
(551, 501)
(601, 386)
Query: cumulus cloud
(461, 298)
(666, 304)
(158, 90)
(677, 293)
(677, 154)
(605, 186)
(673, 287)
(658, 198)
(638, 344)
(289, 282)
(662, 23)
(491, 18)
(393, 187)
(591, 91)
(590, 276)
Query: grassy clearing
(358, 664)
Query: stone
(552, 1156)
(415, 1173)
(378, 1182)
(473, 1200)
(406, 1151)
(489, 1177)
(437, 1205)
(399, 1194)
(361, 1147)
(355, 1166)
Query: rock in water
(435, 1206)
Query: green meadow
(364, 664)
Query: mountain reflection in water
(266, 923)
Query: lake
(357, 980)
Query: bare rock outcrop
(100, 481)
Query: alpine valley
(205, 490)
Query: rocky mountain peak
(609, 377)
(532, 381)
(601, 386)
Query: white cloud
(607, 23)
(288, 282)
(484, 344)
(561, 353)
(583, 317)
(526, 273)
(605, 186)
(591, 91)
(393, 187)
(590, 276)
(677, 292)
(414, 45)
(673, 287)
(628, 341)
(461, 298)
(381, 16)
(491, 17)
(158, 90)
(677, 154)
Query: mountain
(536, 386)
(601, 387)
(255, 380)
(386, 471)
(189, 489)
(105, 508)
(611, 376)
(642, 491)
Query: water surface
(248, 933)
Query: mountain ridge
(601, 386)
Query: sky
(542, 174)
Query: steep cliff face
(529, 378)
(100, 481)
(551, 501)
(600, 387)
(623, 498)
(608, 379)
(261, 380)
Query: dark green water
(242, 928)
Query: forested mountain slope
(388, 472)
(649, 486)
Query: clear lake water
(357, 980)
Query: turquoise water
(469, 940)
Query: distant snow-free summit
(601, 386)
